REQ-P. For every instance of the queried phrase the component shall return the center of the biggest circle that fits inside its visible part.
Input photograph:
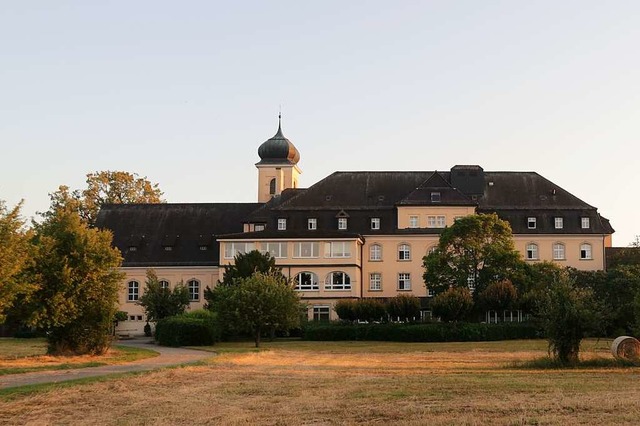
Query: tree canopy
(159, 302)
(474, 252)
(106, 187)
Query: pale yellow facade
(431, 216)
(283, 176)
(568, 250)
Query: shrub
(452, 305)
(370, 310)
(197, 328)
(499, 296)
(404, 307)
(346, 310)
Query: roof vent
(490, 183)
(380, 197)
(327, 198)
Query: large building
(350, 235)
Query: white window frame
(586, 252)
(414, 222)
(337, 249)
(532, 251)
(320, 311)
(404, 281)
(337, 280)
(404, 252)
(375, 252)
(312, 285)
(276, 249)
(312, 224)
(585, 223)
(133, 291)
(342, 223)
(532, 222)
(282, 224)
(375, 281)
(436, 197)
(375, 223)
(163, 283)
(231, 249)
(441, 221)
(559, 251)
(311, 249)
(558, 223)
(259, 227)
(193, 286)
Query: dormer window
(558, 223)
(168, 248)
(203, 248)
(282, 224)
(312, 224)
(413, 221)
(133, 248)
(342, 223)
(531, 223)
(375, 223)
(435, 197)
(585, 223)
(259, 227)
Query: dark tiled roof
(263, 213)
(151, 228)
(447, 195)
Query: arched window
(375, 252)
(532, 251)
(133, 288)
(272, 186)
(585, 251)
(337, 280)
(194, 290)
(306, 281)
(404, 252)
(163, 283)
(432, 249)
(558, 251)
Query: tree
(106, 187)
(258, 303)
(75, 270)
(159, 302)
(568, 314)
(403, 307)
(499, 296)
(15, 257)
(475, 251)
(454, 304)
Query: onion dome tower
(278, 166)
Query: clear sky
(185, 92)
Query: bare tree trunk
(257, 337)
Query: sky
(185, 92)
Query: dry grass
(364, 383)
(25, 355)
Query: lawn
(26, 355)
(293, 382)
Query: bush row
(197, 328)
(431, 332)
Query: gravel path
(168, 357)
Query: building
(350, 235)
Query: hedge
(198, 328)
(431, 332)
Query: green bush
(455, 304)
(197, 328)
(404, 307)
(346, 310)
(370, 310)
(433, 332)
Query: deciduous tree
(159, 302)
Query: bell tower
(278, 166)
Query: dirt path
(168, 357)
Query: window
(558, 251)
(585, 223)
(585, 251)
(193, 287)
(337, 249)
(275, 249)
(558, 223)
(321, 313)
(306, 281)
(337, 281)
(342, 223)
(457, 218)
(404, 281)
(133, 248)
(413, 221)
(306, 249)
(204, 248)
(282, 224)
(168, 248)
(532, 251)
(259, 227)
(375, 223)
(431, 292)
(404, 252)
(432, 249)
(312, 224)
(231, 249)
(163, 283)
(435, 197)
(531, 223)
(375, 252)
(272, 186)
(471, 282)
(375, 281)
(133, 291)
(436, 221)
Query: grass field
(26, 355)
(294, 382)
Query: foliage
(568, 313)
(533, 281)
(259, 303)
(105, 187)
(476, 249)
(346, 309)
(404, 307)
(147, 330)
(431, 332)
(455, 304)
(499, 296)
(197, 328)
(15, 257)
(161, 302)
(120, 316)
(75, 269)
(360, 310)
